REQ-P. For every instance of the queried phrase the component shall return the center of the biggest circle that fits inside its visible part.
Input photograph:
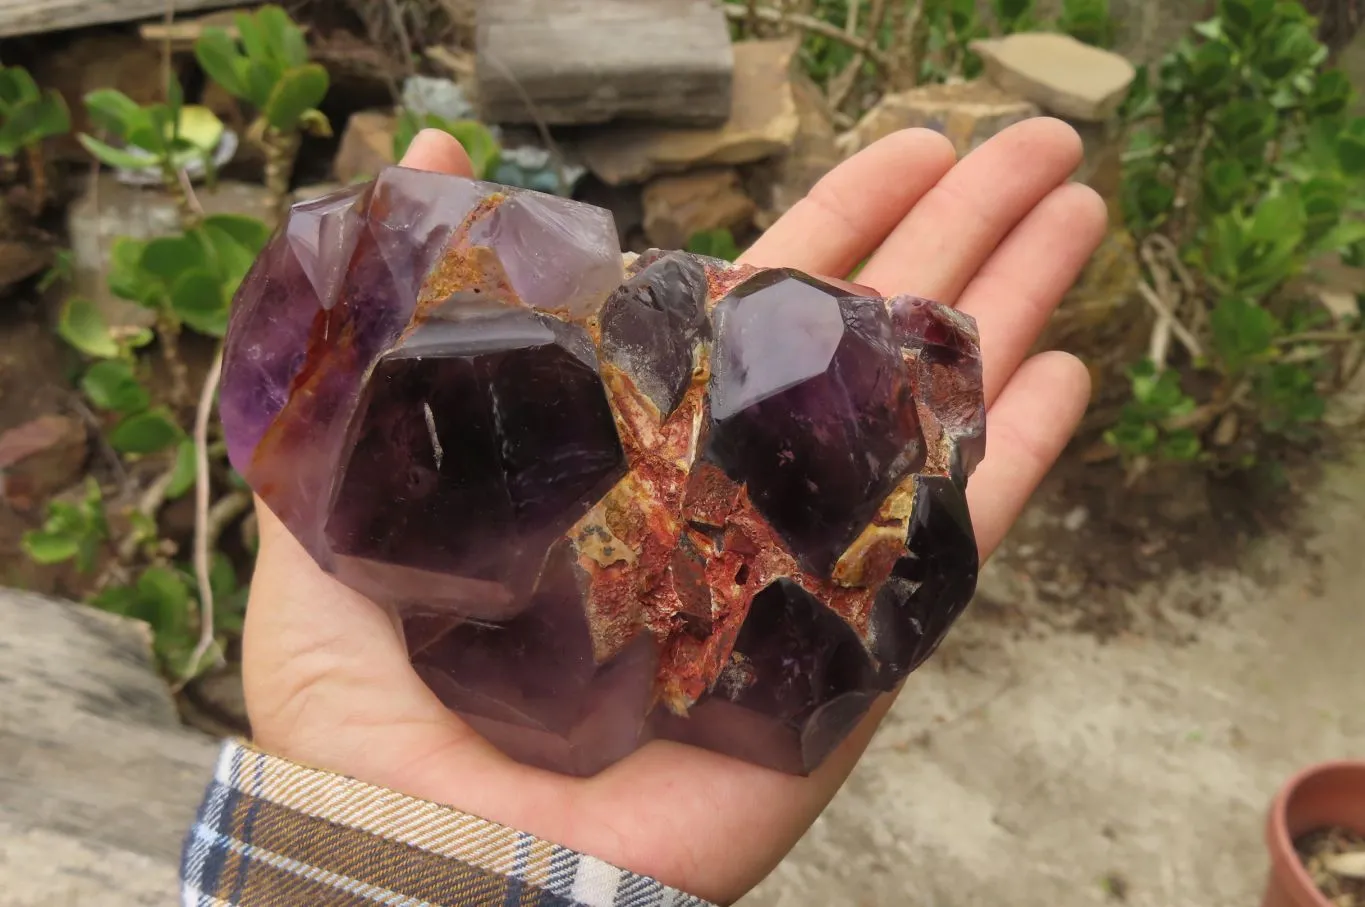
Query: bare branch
(810, 24)
(1167, 322)
(842, 84)
(201, 507)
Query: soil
(1092, 540)
(1317, 848)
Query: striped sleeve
(272, 832)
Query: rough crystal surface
(682, 499)
(947, 372)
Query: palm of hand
(1001, 235)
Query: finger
(1015, 292)
(1026, 431)
(853, 208)
(957, 225)
(438, 151)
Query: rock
(968, 113)
(1058, 73)
(780, 182)
(763, 122)
(40, 458)
(676, 207)
(23, 256)
(113, 209)
(366, 146)
(99, 779)
(592, 61)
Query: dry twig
(810, 24)
(842, 84)
(201, 506)
(1161, 258)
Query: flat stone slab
(764, 121)
(1058, 73)
(590, 61)
(968, 113)
(98, 778)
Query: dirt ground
(1035, 761)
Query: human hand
(1001, 235)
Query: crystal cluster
(610, 499)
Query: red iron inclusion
(610, 502)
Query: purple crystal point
(930, 585)
(500, 419)
(812, 409)
(652, 325)
(685, 499)
(558, 254)
(531, 684)
(797, 682)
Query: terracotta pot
(1329, 794)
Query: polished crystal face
(609, 503)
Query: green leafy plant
(1151, 424)
(1243, 170)
(714, 243)
(27, 117)
(164, 596)
(73, 530)
(188, 279)
(267, 66)
(476, 138)
(1087, 20)
(167, 137)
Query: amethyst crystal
(608, 503)
(811, 409)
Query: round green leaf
(110, 156)
(297, 91)
(112, 385)
(200, 127)
(82, 326)
(145, 432)
(49, 547)
(197, 299)
(219, 58)
(184, 473)
(170, 257)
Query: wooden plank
(591, 61)
(31, 17)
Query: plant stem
(190, 212)
(168, 329)
(37, 177)
(201, 507)
(281, 148)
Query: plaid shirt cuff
(272, 832)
